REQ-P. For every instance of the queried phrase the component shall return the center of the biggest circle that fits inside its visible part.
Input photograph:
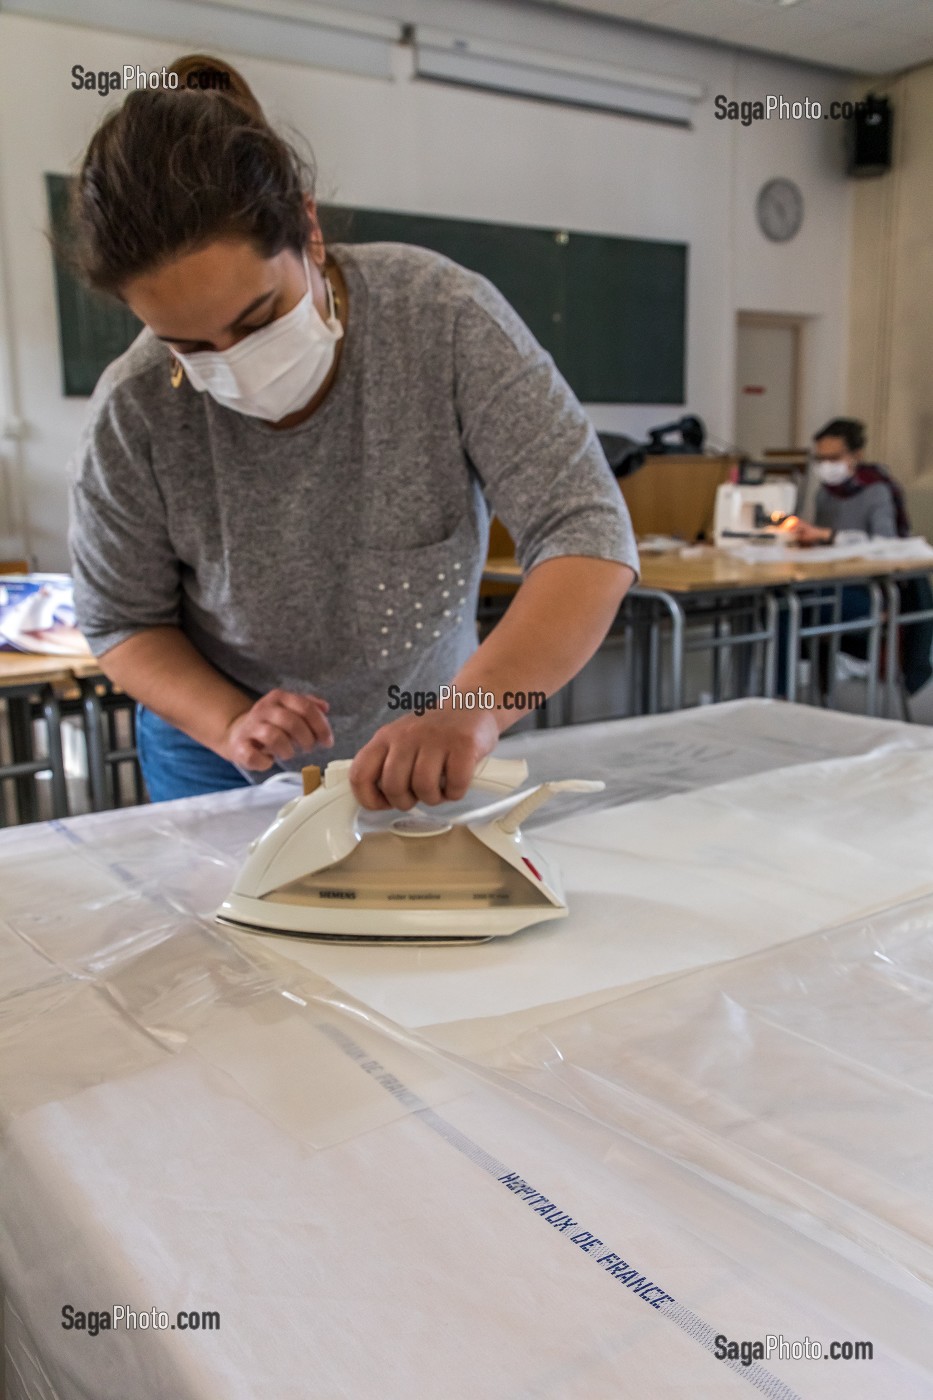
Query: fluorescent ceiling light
(289, 30)
(327, 16)
(445, 57)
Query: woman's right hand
(806, 534)
(276, 727)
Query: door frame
(777, 320)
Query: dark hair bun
(199, 72)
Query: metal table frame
(801, 596)
(640, 629)
(642, 615)
(718, 605)
(26, 702)
(97, 704)
(104, 754)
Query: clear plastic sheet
(555, 1202)
(658, 755)
(801, 1074)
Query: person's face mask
(833, 473)
(273, 371)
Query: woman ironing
(279, 503)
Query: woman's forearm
(163, 671)
(557, 620)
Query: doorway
(769, 368)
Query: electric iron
(326, 870)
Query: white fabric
(192, 1121)
(777, 551)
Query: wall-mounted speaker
(871, 132)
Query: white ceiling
(863, 36)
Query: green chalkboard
(625, 339)
(92, 329)
(612, 311)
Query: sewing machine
(752, 512)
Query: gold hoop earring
(177, 374)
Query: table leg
(772, 613)
(644, 657)
(874, 645)
(793, 642)
(631, 693)
(717, 660)
(52, 714)
(676, 613)
(748, 654)
(813, 649)
(832, 651)
(677, 652)
(19, 713)
(654, 663)
(893, 604)
(94, 741)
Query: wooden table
(703, 569)
(704, 577)
(25, 668)
(719, 569)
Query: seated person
(858, 495)
(853, 494)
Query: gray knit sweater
(343, 555)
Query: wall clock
(779, 210)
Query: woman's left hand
(427, 758)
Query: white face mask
(833, 473)
(273, 371)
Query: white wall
(809, 275)
(422, 147)
(892, 292)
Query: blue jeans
(175, 766)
